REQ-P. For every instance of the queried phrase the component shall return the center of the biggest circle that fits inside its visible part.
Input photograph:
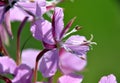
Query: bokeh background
(98, 17)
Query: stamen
(67, 49)
(73, 52)
(90, 41)
(72, 31)
(53, 2)
(78, 27)
(82, 58)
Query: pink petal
(74, 43)
(29, 57)
(70, 63)
(108, 79)
(49, 63)
(18, 14)
(23, 74)
(58, 24)
(8, 24)
(7, 65)
(72, 78)
(41, 30)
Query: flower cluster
(67, 56)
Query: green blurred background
(98, 17)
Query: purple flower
(108, 79)
(23, 72)
(18, 12)
(69, 56)
(26, 8)
(7, 65)
(28, 58)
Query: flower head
(51, 34)
(23, 72)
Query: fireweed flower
(23, 72)
(26, 8)
(17, 10)
(108, 79)
(69, 56)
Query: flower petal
(29, 57)
(7, 65)
(49, 63)
(17, 14)
(1, 14)
(108, 79)
(70, 63)
(8, 24)
(74, 44)
(71, 78)
(58, 23)
(41, 30)
(29, 6)
(23, 74)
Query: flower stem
(18, 40)
(50, 79)
(36, 64)
(5, 79)
(3, 49)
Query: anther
(89, 42)
(78, 27)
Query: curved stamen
(89, 42)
